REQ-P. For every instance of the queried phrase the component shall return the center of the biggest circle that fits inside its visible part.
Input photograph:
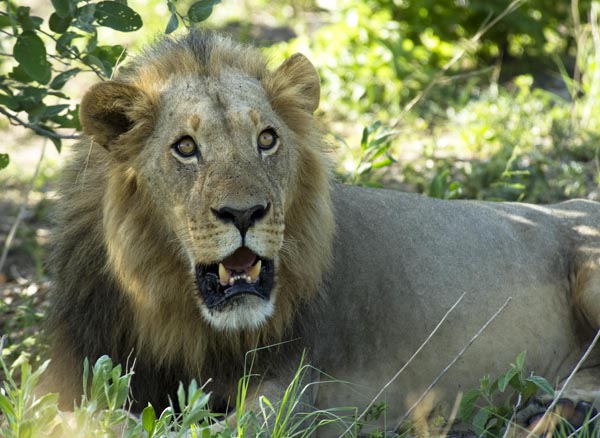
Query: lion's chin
(237, 290)
(251, 313)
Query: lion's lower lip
(216, 295)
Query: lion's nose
(242, 219)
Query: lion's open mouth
(242, 273)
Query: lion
(199, 220)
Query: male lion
(199, 221)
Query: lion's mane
(118, 287)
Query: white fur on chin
(250, 314)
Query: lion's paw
(566, 417)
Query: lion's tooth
(254, 271)
(224, 276)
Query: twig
(38, 129)
(425, 342)
(453, 414)
(456, 358)
(558, 395)
(15, 226)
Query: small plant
(373, 415)
(104, 400)
(25, 415)
(500, 398)
(374, 153)
(192, 419)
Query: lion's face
(223, 162)
(220, 158)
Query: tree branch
(38, 129)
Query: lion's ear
(110, 109)
(296, 81)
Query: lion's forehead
(228, 93)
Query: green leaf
(181, 396)
(9, 102)
(5, 21)
(25, 20)
(117, 16)
(69, 120)
(148, 419)
(172, 24)
(484, 384)
(18, 73)
(505, 379)
(54, 110)
(467, 404)
(60, 80)
(35, 112)
(94, 60)
(383, 163)
(541, 383)
(4, 160)
(5, 404)
(201, 10)
(480, 421)
(364, 138)
(56, 141)
(30, 53)
(85, 17)
(30, 97)
(59, 24)
(64, 42)
(62, 8)
(109, 54)
(520, 361)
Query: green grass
(104, 408)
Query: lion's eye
(185, 147)
(267, 139)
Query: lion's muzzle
(242, 273)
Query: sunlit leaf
(148, 419)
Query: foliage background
(463, 99)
